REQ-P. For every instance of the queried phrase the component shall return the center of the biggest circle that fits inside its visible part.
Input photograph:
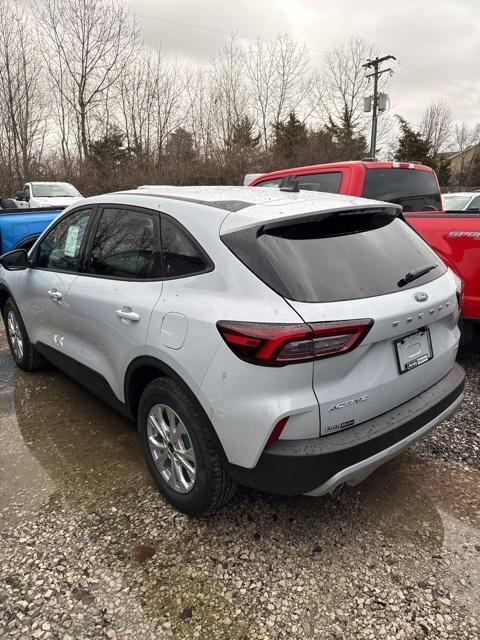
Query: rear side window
(124, 246)
(474, 204)
(346, 256)
(413, 189)
(181, 256)
(326, 182)
(271, 184)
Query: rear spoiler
(393, 211)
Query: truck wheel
(6, 203)
(21, 348)
(180, 451)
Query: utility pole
(377, 72)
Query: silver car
(461, 201)
(292, 342)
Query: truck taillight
(281, 344)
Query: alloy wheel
(171, 448)
(15, 335)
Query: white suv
(291, 342)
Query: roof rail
(369, 160)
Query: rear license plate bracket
(413, 350)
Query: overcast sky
(440, 38)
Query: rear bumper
(317, 466)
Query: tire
(22, 350)
(211, 486)
(7, 203)
(467, 329)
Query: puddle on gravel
(60, 446)
(58, 443)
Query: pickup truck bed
(455, 237)
(19, 228)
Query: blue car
(19, 228)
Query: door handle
(126, 314)
(54, 294)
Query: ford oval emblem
(420, 296)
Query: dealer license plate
(413, 350)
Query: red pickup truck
(455, 236)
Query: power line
(434, 76)
(212, 30)
(426, 86)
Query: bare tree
(153, 104)
(278, 74)
(436, 126)
(228, 90)
(88, 44)
(467, 139)
(23, 109)
(342, 85)
(201, 113)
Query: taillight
(281, 344)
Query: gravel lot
(88, 548)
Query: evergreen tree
(411, 145)
(350, 144)
(443, 170)
(179, 146)
(109, 151)
(290, 137)
(243, 135)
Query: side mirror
(26, 196)
(14, 260)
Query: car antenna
(290, 184)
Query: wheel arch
(4, 296)
(143, 370)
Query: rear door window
(125, 245)
(346, 256)
(413, 189)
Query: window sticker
(71, 241)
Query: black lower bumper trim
(293, 467)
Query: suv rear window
(345, 256)
(413, 189)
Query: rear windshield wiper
(414, 274)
